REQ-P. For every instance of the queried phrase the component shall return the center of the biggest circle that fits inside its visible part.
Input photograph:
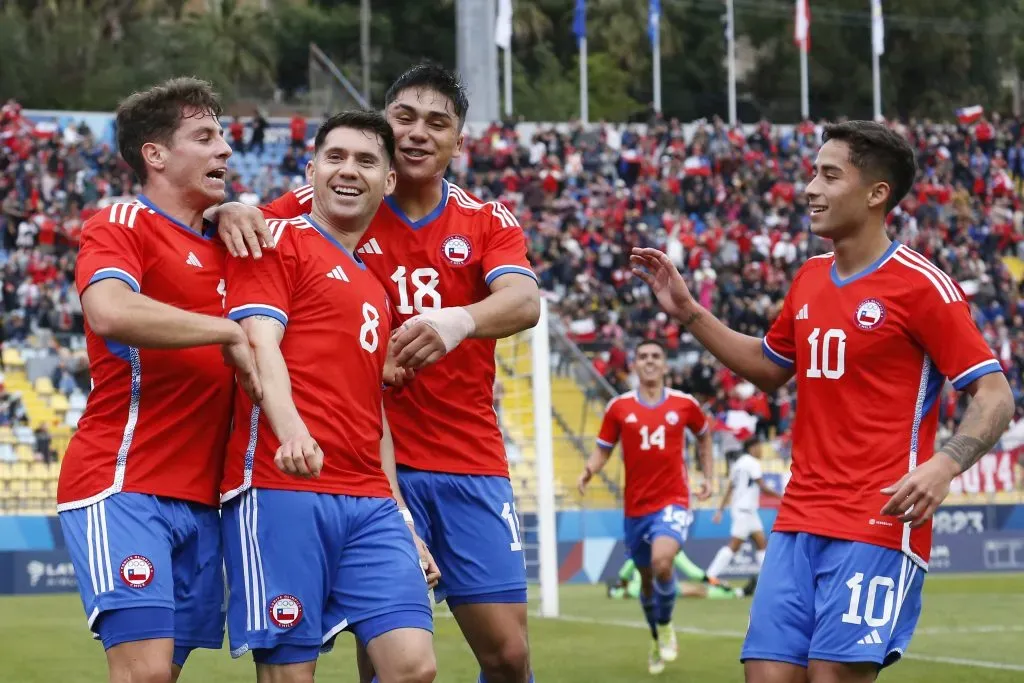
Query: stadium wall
(967, 539)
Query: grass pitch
(971, 630)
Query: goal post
(547, 536)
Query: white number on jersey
(677, 518)
(368, 337)
(222, 289)
(508, 513)
(424, 298)
(853, 615)
(831, 356)
(656, 438)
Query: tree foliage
(940, 54)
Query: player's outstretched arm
(741, 353)
(298, 454)
(919, 493)
(115, 311)
(596, 462)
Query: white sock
(722, 559)
(759, 558)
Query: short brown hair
(154, 115)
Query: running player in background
(306, 464)
(137, 495)
(871, 331)
(456, 270)
(744, 490)
(651, 423)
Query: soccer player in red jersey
(314, 541)
(871, 331)
(138, 490)
(456, 270)
(651, 423)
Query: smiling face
(427, 134)
(194, 160)
(650, 364)
(350, 175)
(841, 197)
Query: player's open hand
(394, 374)
(431, 572)
(660, 274)
(416, 345)
(300, 455)
(917, 496)
(581, 483)
(239, 355)
(242, 229)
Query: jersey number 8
(368, 335)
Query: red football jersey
(139, 432)
(871, 354)
(337, 324)
(444, 420)
(653, 447)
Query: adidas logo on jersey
(802, 314)
(871, 639)
(630, 418)
(370, 247)
(193, 260)
(337, 274)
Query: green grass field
(971, 630)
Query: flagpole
(731, 38)
(584, 97)
(876, 78)
(657, 67)
(508, 81)
(877, 48)
(805, 103)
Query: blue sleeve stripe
(116, 274)
(971, 374)
(776, 357)
(605, 444)
(249, 310)
(505, 270)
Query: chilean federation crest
(672, 417)
(870, 314)
(285, 611)
(456, 250)
(137, 571)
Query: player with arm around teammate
(651, 424)
(314, 540)
(870, 331)
(137, 495)
(456, 270)
(744, 490)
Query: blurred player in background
(137, 496)
(651, 423)
(314, 542)
(871, 331)
(692, 584)
(744, 491)
(456, 270)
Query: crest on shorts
(457, 250)
(870, 314)
(672, 417)
(285, 611)
(137, 571)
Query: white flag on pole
(877, 28)
(503, 27)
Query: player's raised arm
(741, 353)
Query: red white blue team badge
(285, 611)
(137, 571)
(672, 417)
(457, 250)
(870, 314)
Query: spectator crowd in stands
(726, 204)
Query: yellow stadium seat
(6, 435)
(25, 453)
(12, 357)
(19, 470)
(17, 486)
(53, 470)
(58, 403)
(43, 386)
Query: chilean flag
(286, 614)
(968, 115)
(138, 574)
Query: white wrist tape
(452, 324)
(407, 516)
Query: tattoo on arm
(985, 419)
(268, 318)
(692, 318)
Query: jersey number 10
(828, 354)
